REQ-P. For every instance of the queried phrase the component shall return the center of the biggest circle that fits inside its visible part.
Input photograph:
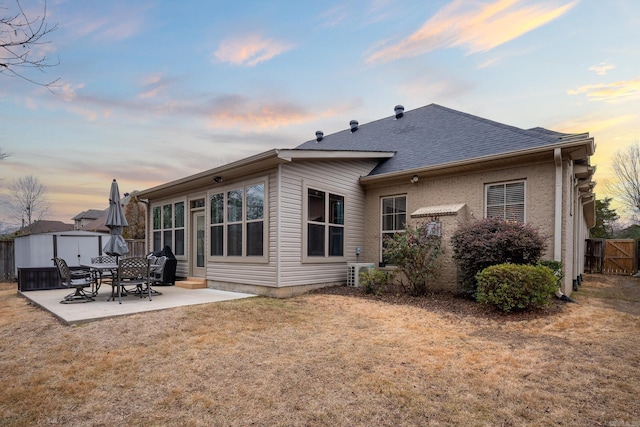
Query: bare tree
(626, 166)
(3, 154)
(19, 36)
(27, 201)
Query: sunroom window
(168, 227)
(237, 219)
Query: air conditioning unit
(354, 269)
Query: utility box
(354, 269)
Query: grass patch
(332, 358)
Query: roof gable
(434, 135)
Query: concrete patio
(78, 313)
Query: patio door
(198, 248)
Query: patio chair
(75, 279)
(131, 272)
(104, 275)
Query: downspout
(557, 234)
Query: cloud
(609, 92)
(238, 111)
(602, 68)
(477, 28)
(333, 16)
(250, 50)
(117, 24)
(153, 85)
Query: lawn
(327, 359)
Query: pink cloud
(250, 50)
(477, 27)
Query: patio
(78, 313)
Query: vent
(399, 109)
(319, 135)
(354, 125)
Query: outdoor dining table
(100, 268)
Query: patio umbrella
(116, 221)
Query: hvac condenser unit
(353, 272)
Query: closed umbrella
(116, 221)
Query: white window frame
(305, 225)
(244, 258)
(382, 215)
(504, 184)
(172, 229)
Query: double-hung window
(237, 221)
(393, 217)
(506, 201)
(168, 227)
(325, 232)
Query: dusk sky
(152, 91)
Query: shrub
(556, 267)
(487, 242)
(415, 253)
(373, 281)
(511, 286)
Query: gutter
(586, 142)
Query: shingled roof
(434, 135)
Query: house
(87, 217)
(289, 220)
(43, 226)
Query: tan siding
(259, 274)
(339, 176)
(467, 189)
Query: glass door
(198, 252)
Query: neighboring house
(44, 226)
(289, 220)
(88, 217)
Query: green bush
(556, 267)
(373, 281)
(415, 253)
(492, 241)
(511, 286)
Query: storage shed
(76, 247)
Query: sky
(149, 91)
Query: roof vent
(319, 135)
(399, 109)
(354, 125)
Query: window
(237, 222)
(168, 227)
(393, 217)
(325, 224)
(506, 201)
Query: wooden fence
(7, 261)
(612, 256)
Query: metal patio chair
(75, 279)
(131, 272)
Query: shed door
(76, 250)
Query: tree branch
(19, 35)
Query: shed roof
(44, 226)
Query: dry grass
(327, 359)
